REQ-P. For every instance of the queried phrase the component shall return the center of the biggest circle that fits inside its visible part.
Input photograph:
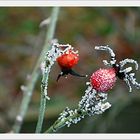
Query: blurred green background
(21, 41)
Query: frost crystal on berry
(103, 79)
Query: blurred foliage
(21, 41)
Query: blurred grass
(20, 41)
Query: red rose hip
(103, 79)
(66, 62)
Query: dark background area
(21, 41)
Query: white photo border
(69, 3)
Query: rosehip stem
(58, 124)
(76, 74)
(69, 71)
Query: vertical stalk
(28, 91)
(54, 17)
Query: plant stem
(53, 21)
(27, 93)
(91, 103)
(59, 124)
(41, 113)
(42, 103)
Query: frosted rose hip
(68, 60)
(103, 79)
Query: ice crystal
(70, 116)
(93, 102)
(106, 48)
